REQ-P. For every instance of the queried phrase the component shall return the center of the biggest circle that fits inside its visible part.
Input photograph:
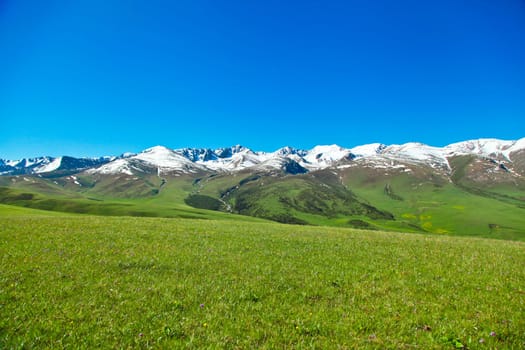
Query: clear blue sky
(89, 78)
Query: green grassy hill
(434, 206)
(83, 282)
(170, 202)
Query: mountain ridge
(238, 158)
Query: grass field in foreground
(112, 282)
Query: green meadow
(84, 282)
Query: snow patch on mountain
(118, 166)
(415, 151)
(482, 147)
(369, 150)
(273, 163)
(519, 145)
(51, 166)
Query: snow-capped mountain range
(42, 165)
(163, 160)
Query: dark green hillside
(301, 199)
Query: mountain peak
(326, 155)
(157, 149)
(287, 150)
(228, 152)
(368, 150)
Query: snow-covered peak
(161, 158)
(49, 164)
(32, 164)
(12, 163)
(240, 148)
(230, 151)
(118, 166)
(166, 159)
(197, 154)
(159, 155)
(287, 151)
(155, 155)
(48, 167)
(29, 162)
(369, 150)
(493, 148)
(284, 151)
(123, 155)
(236, 161)
(482, 147)
(157, 150)
(414, 152)
(323, 156)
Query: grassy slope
(426, 205)
(318, 199)
(13, 210)
(441, 209)
(115, 282)
(168, 202)
(420, 203)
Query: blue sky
(90, 78)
